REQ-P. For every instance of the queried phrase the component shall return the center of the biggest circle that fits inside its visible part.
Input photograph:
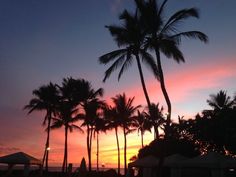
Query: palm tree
(125, 113)
(45, 98)
(66, 117)
(220, 101)
(89, 103)
(72, 92)
(129, 37)
(99, 126)
(163, 36)
(142, 124)
(155, 116)
(91, 114)
(113, 122)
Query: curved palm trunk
(64, 166)
(142, 81)
(163, 88)
(125, 160)
(97, 151)
(118, 149)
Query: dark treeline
(211, 130)
(75, 104)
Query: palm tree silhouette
(163, 36)
(155, 116)
(99, 126)
(113, 122)
(66, 117)
(130, 37)
(142, 124)
(125, 113)
(91, 114)
(220, 101)
(72, 93)
(45, 98)
(90, 104)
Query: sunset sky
(47, 40)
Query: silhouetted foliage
(164, 36)
(213, 130)
(45, 99)
(165, 147)
(124, 112)
(129, 37)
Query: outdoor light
(48, 148)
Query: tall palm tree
(45, 99)
(66, 117)
(125, 113)
(155, 116)
(163, 36)
(113, 122)
(129, 37)
(220, 101)
(142, 124)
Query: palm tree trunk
(118, 149)
(97, 151)
(88, 135)
(166, 96)
(163, 88)
(47, 143)
(142, 138)
(142, 81)
(156, 132)
(89, 145)
(64, 165)
(125, 141)
(90, 148)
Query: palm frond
(179, 17)
(150, 62)
(57, 124)
(104, 59)
(127, 63)
(192, 35)
(170, 49)
(113, 67)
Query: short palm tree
(89, 103)
(66, 116)
(163, 36)
(71, 95)
(129, 37)
(99, 126)
(113, 122)
(91, 114)
(125, 113)
(45, 99)
(155, 116)
(142, 124)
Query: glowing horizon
(43, 41)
